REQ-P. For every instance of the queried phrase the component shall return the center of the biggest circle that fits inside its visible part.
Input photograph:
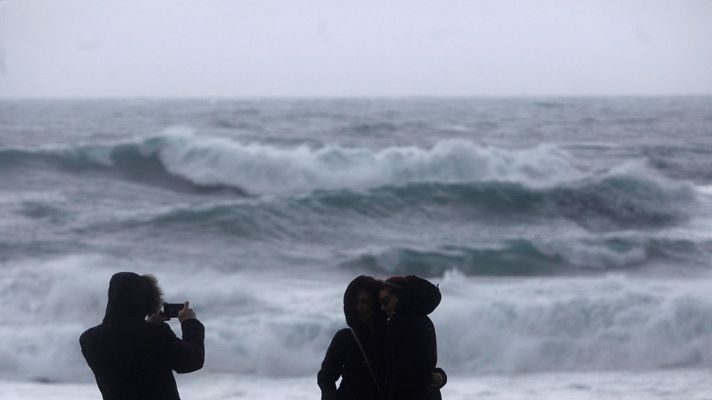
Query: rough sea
(571, 237)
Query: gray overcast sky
(67, 48)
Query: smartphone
(171, 309)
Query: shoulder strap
(366, 362)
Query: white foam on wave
(593, 254)
(705, 190)
(276, 170)
(262, 323)
(274, 324)
(47, 305)
(609, 323)
(265, 323)
(266, 169)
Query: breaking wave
(265, 169)
(467, 180)
(483, 326)
(614, 323)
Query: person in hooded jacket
(410, 344)
(133, 358)
(361, 379)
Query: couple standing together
(389, 351)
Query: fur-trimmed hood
(132, 297)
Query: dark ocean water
(579, 219)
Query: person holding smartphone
(133, 352)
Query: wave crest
(266, 169)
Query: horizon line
(351, 97)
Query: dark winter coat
(344, 359)
(410, 346)
(133, 359)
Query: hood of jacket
(372, 286)
(415, 294)
(132, 297)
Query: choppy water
(566, 234)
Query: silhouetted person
(133, 358)
(344, 357)
(410, 345)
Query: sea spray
(574, 324)
(266, 169)
(266, 324)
